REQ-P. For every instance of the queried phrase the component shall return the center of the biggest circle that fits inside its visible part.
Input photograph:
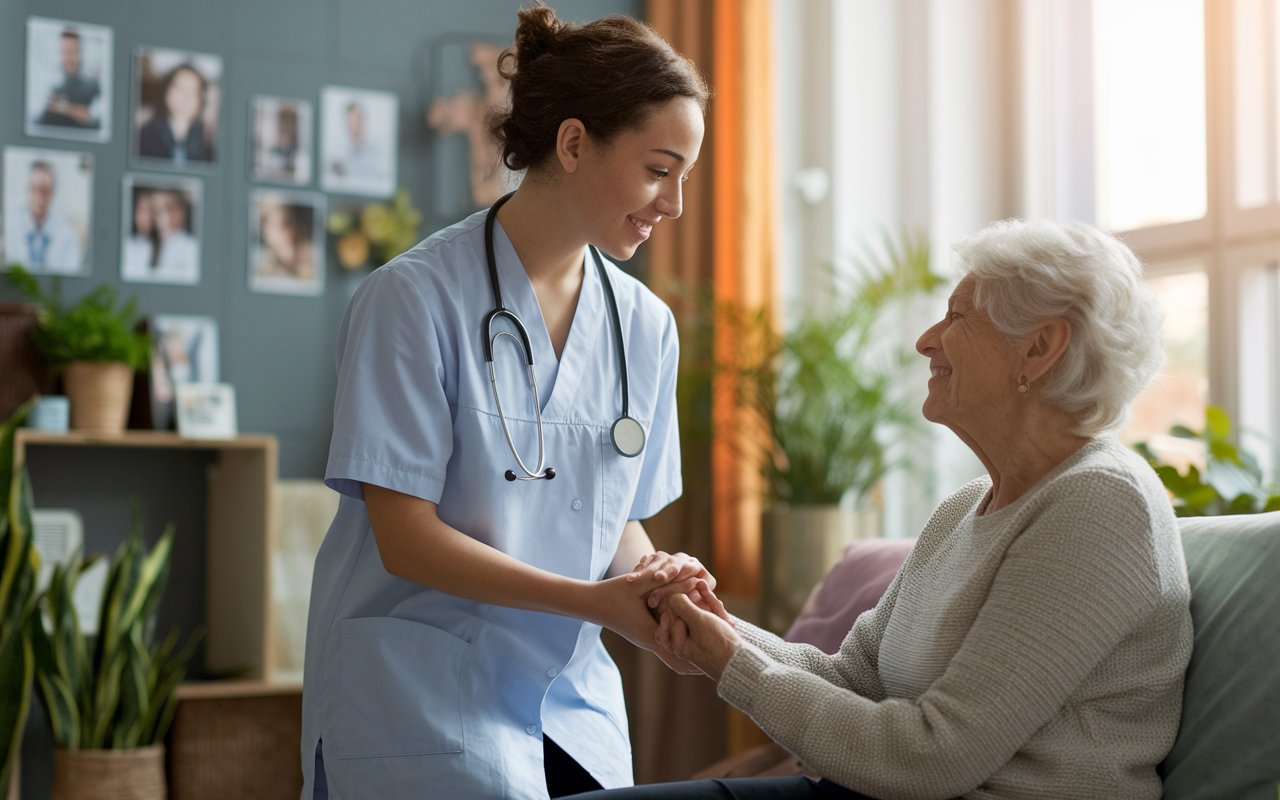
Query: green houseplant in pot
(825, 389)
(110, 698)
(93, 345)
(18, 566)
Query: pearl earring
(1022, 385)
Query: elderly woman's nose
(929, 340)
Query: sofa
(1228, 745)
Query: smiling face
(973, 370)
(626, 186)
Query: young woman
(505, 416)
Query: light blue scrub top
(417, 693)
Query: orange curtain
(744, 218)
(722, 246)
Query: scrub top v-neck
(410, 692)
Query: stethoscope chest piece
(627, 436)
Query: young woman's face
(633, 182)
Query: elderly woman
(1035, 640)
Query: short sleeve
(660, 482)
(392, 425)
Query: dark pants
(797, 788)
(564, 775)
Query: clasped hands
(671, 608)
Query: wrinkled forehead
(963, 293)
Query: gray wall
(277, 350)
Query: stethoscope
(626, 433)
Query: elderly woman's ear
(1043, 350)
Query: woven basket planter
(136, 774)
(99, 395)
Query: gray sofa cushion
(1228, 745)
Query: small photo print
(48, 200)
(184, 350)
(282, 149)
(160, 229)
(68, 80)
(286, 242)
(358, 134)
(176, 103)
(206, 410)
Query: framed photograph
(358, 140)
(160, 229)
(176, 102)
(286, 242)
(68, 80)
(184, 350)
(48, 203)
(206, 410)
(281, 141)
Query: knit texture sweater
(1034, 651)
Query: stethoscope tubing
(542, 472)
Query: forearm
(416, 545)
(634, 545)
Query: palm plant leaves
(825, 387)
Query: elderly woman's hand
(697, 636)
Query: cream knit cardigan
(1037, 651)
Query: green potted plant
(110, 698)
(1231, 482)
(18, 566)
(93, 345)
(824, 389)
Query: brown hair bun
(610, 74)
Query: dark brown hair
(610, 74)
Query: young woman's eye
(660, 173)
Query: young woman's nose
(671, 200)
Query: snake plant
(115, 690)
(17, 596)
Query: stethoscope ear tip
(550, 473)
(510, 475)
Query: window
(1149, 102)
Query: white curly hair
(1027, 272)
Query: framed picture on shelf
(358, 141)
(281, 140)
(48, 206)
(184, 350)
(160, 229)
(206, 410)
(176, 104)
(68, 80)
(286, 242)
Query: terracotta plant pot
(99, 395)
(136, 774)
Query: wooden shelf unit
(238, 544)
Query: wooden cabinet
(238, 544)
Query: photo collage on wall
(176, 134)
(343, 140)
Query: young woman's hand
(619, 605)
(697, 637)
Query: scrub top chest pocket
(399, 689)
